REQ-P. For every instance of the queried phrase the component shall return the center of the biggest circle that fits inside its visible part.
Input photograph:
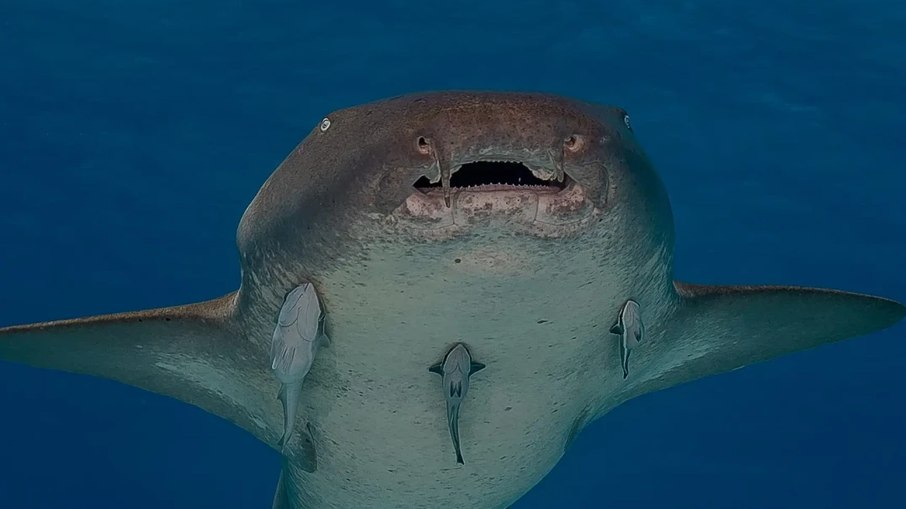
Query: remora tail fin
(192, 353)
(721, 328)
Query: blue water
(133, 134)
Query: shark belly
(379, 416)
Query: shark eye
(325, 124)
(626, 121)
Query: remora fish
(631, 330)
(296, 339)
(456, 368)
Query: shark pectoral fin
(616, 329)
(721, 328)
(476, 367)
(190, 353)
(437, 368)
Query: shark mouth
(498, 176)
(539, 198)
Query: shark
(518, 225)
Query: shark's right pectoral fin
(721, 328)
(191, 353)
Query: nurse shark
(517, 225)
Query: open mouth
(498, 176)
(542, 198)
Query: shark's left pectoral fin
(721, 328)
(191, 353)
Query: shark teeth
(492, 175)
(498, 185)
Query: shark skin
(517, 223)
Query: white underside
(379, 416)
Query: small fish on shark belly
(631, 330)
(296, 339)
(455, 370)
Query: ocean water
(133, 135)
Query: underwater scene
(484, 255)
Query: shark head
(456, 168)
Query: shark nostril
(573, 142)
(423, 145)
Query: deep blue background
(133, 134)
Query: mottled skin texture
(529, 279)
